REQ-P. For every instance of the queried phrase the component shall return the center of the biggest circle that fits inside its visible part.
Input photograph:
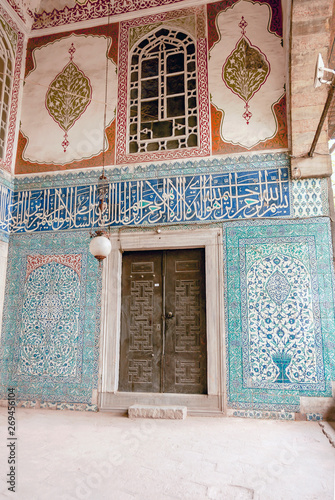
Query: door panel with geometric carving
(185, 358)
(141, 345)
(163, 322)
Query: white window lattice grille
(163, 93)
(6, 73)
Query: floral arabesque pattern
(307, 243)
(68, 96)
(245, 70)
(50, 322)
(281, 323)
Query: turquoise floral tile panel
(281, 335)
(50, 335)
(279, 312)
(50, 339)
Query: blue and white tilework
(310, 197)
(209, 190)
(51, 325)
(177, 199)
(281, 339)
(315, 417)
(6, 196)
(280, 312)
(268, 415)
(279, 282)
(213, 165)
(51, 333)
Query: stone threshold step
(149, 411)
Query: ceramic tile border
(48, 405)
(149, 171)
(310, 198)
(315, 417)
(264, 415)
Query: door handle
(169, 314)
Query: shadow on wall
(330, 415)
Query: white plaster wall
(3, 271)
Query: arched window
(6, 74)
(163, 93)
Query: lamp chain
(105, 101)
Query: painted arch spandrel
(63, 103)
(246, 77)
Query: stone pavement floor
(67, 455)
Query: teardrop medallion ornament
(245, 70)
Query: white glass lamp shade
(100, 247)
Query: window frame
(5, 88)
(154, 47)
(127, 30)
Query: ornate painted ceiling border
(24, 15)
(93, 10)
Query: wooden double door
(163, 322)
